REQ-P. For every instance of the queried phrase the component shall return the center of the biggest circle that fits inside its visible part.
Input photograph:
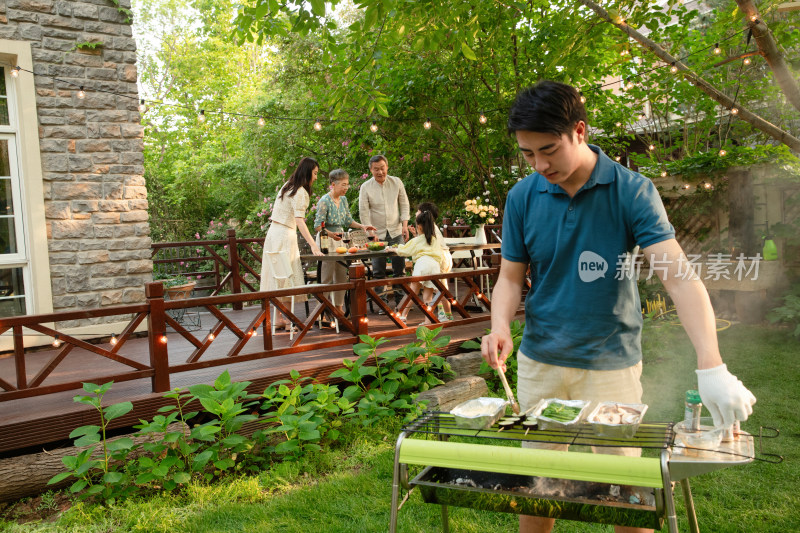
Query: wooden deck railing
(224, 342)
(234, 264)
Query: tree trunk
(773, 56)
(744, 114)
(27, 475)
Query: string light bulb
(663, 173)
(81, 93)
(56, 341)
(482, 119)
(113, 340)
(142, 106)
(717, 49)
(747, 61)
(630, 84)
(253, 332)
(15, 72)
(651, 147)
(618, 124)
(673, 68)
(734, 111)
(685, 186)
(427, 124)
(583, 98)
(162, 339)
(723, 153)
(374, 127)
(753, 18)
(707, 185)
(618, 158)
(261, 122)
(202, 116)
(317, 125)
(211, 335)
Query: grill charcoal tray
(572, 500)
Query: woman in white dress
(289, 215)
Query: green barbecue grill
(479, 469)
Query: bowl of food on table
(376, 246)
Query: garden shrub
(300, 417)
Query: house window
(13, 256)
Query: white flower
(505, 182)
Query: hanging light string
(652, 148)
(204, 112)
(673, 66)
(318, 123)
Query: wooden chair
(472, 257)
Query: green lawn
(349, 490)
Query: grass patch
(349, 489)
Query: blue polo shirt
(582, 311)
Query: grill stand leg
(445, 520)
(396, 485)
(669, 497)
(689, 502)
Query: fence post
(19, 357)
(157, 335)
(358, 298)
(233, 257)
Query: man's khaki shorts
(536, 381)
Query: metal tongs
(509, 394)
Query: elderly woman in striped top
(333, 217)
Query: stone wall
(91, 149)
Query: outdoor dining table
(347, 259)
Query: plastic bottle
(770, 251)
(693, 407)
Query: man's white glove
(725, 397)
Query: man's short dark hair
(376, 158)
(547, 107)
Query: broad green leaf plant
(387, 383)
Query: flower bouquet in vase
(475, 215)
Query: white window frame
(21, 256)
(28, 188)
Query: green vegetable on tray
(560, 412)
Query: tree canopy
(400, 63)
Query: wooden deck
(32, 423)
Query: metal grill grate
(653, 435)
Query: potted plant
(176, 286)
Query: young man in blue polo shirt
(573, 221)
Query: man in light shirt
(383, 203)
